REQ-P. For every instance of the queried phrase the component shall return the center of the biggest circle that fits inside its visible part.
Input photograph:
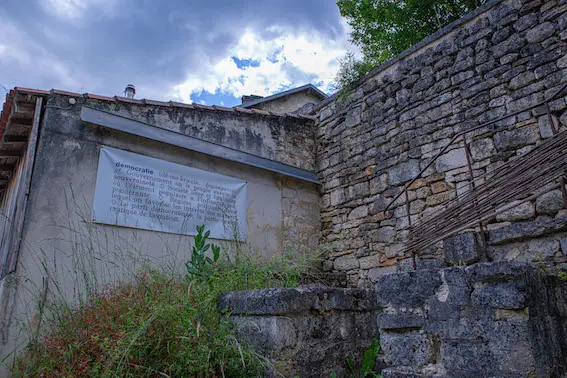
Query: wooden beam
(20, 125)
(11, 154)
(7, 167)
(24, 188)
(10, 139)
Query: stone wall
(501, 319)
(306, 332)
(507, 56)
(487, 320)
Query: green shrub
(366, 369)
(157, 326)
(198, 266)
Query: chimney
(250, 98)
(130, 91)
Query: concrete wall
(64, 253)
(288, 104)
(507, 56)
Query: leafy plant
(367, 365)
(199, 264)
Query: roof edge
(302, 88)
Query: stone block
(353, 117)
(379, 184)
(503, 295)
(401, 320)
(540, 32)
(526, 230)
(550, 203)
(545, 126)
(346, 262)
(437, 199)
(357, 190)
(462, 249)
(456, 288)
(417, 206)
(407, 289)
(406, 265)
(413, 349)
(384, 235)
(265, 334)
(337, 197)
(375, 273)
(466, 359)
(500, 271)
(523, 211)
(369, 262)
(526, 22)
(403, 172)
(510, 139)
(522, 80)
(438, 187)
(358, 212)
(451, 160)
(482, 149)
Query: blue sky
(211, 52)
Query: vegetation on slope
(158, 326)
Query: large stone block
(266, 333)
(523, 211)
(413, 349)
(407, 289)
(347, 262)
(467, 359)
(510, 296)
(525, 230)
(401, 320)
(403, 172)
(550, 203)
(451, 160)
(462, 249)
(482, 149)
(540, 32)
(505, 140)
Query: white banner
(141, 192)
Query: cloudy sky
(207, 51)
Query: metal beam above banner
(145, 130)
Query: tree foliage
(385, 28)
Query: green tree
(385, 28)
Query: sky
(205, 51)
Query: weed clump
(156, 325)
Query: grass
(156, 326)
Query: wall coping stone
(526, 230)
(281, 301)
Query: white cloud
(22, 57)
(74, 11)
(278, 62)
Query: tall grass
(156, 326)
(106, 304)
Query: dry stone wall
(499, 319)
(503, 58)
